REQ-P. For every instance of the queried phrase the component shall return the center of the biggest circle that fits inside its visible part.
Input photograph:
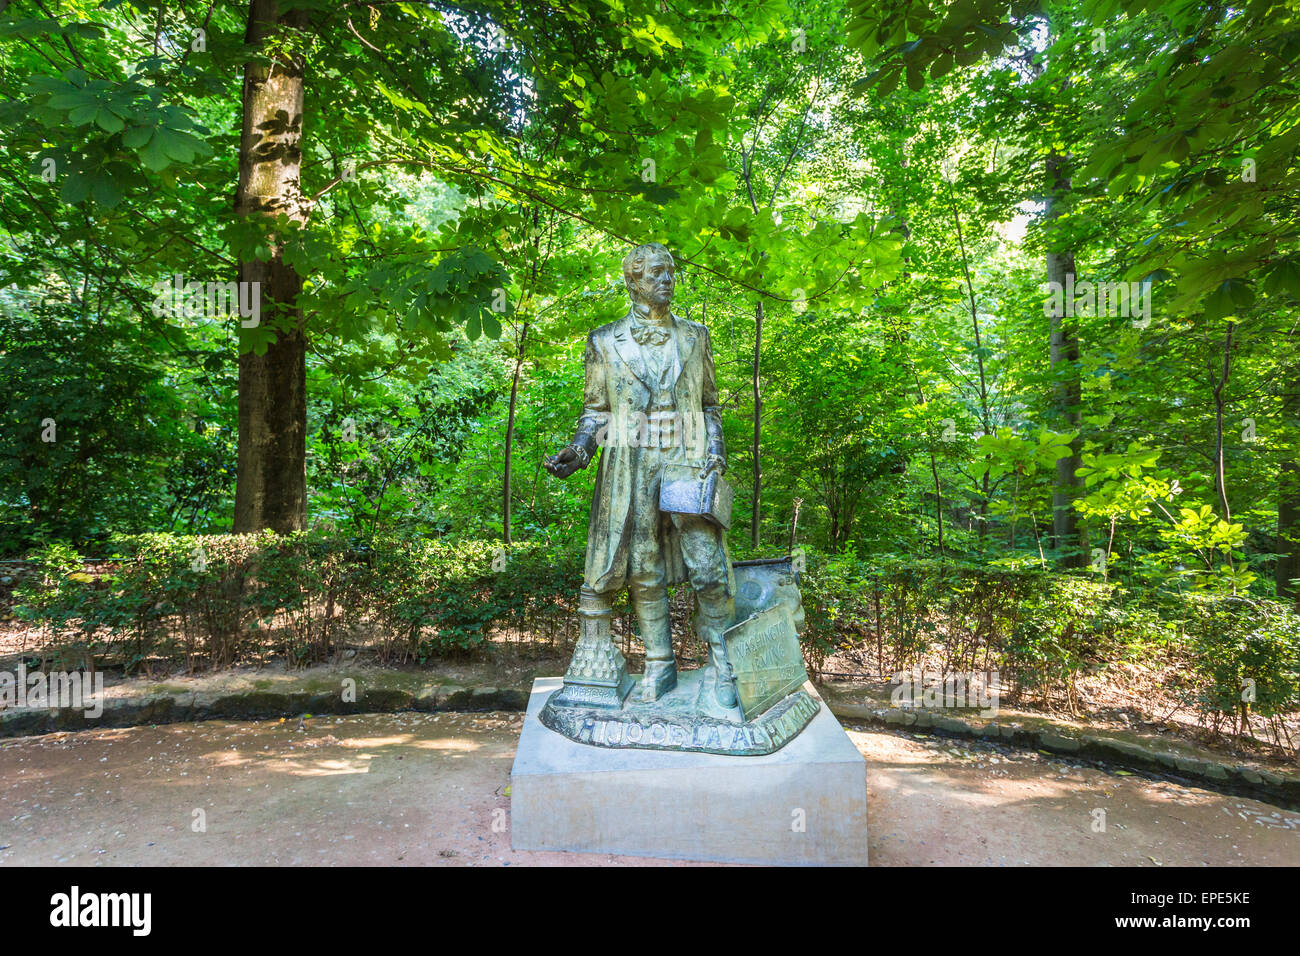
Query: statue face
(655, 287)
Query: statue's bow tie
(650, 334)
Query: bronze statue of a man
(651, 402)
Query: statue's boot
(657, 635)
(712, 618)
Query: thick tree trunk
(1067, 391)
(270, 486)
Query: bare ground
(431, 789)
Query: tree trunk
(906, 230)
(1288, 530)
(510, 436)
(271, 481)
(1067, 390)
(986, 420)
(794, 524)
(758, 425)
(934, 465)
(1220, 400)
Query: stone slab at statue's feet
(804, 804)
(686, 718)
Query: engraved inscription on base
(645, 729)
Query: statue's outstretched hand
(563, 463)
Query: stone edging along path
(164, 706)
(257, 704)
(1197, 767)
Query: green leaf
(1284, 278)
(941, 66)
(153, 156)
(106, 192)
(137, 136)
(83, 114)
(109, 121)
(176, 145)
(76, 187)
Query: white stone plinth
(806, 804)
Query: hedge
(214, 600)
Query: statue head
(649, 271)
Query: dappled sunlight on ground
(933, 800)
(302, 766)
(433, 789)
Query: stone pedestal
(597, 675)
(805, 804)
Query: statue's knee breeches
(704, 552)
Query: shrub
(1038, 629)
(1245, 656)
(1069, 623)
(214, 600)
(204, 599)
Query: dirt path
(417, 789)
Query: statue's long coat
(618, 387)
